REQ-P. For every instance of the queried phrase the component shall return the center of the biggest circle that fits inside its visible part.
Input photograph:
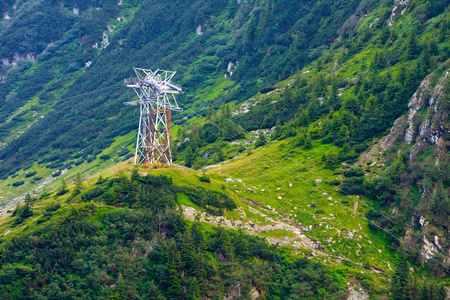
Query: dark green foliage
(36, 178)
(18, 183)
(92, 193)
(334, 182)
(22, 213)
(354, 173)
(204, 178)
(214, 202)
(30, 174)
(261, 140)
(404, 287)
(267, 89)
(352, 186)
(53, 207)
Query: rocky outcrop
(417, 101)
(429, 249)
(298, 241)
(400, 7)
(425, 125)
(415, 127)
(357, 293)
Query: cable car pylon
(156, 93)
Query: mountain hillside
(321, 128)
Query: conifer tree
(401, 281)
(411, 45)
(154, 293)
(63, 187)
(261, 141)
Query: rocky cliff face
(424, 129)
(427, 127)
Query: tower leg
(154, 138)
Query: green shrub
(354, 173)
(18, 183)
(29, 174)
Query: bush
(56, 174)
(267, 89)
(92, 193)
(334, 182)
(53, 207)
(29, 174)
(320, 212)
(204, 178)
(18, 183)
(353, 186)
(105, 157)
(360, 147)
(214, 202)
(37, 178)
(354, 173)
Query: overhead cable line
(328, 182)
(286, 170)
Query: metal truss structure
(157, 100)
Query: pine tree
(63, 187)
(78, 184)
(411, 45)
(174, 290)
(308, 143)
(344, 134)
(278, 130)
(210, 113)
(154, 293)
(188, 157)
(443, 30)
(401, 281)
(28, 199)
(121, 288)
(193, 292)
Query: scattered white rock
(423, 221)
(199, 31)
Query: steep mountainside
(61, 91)
(326, 123)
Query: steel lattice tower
(157, 99)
